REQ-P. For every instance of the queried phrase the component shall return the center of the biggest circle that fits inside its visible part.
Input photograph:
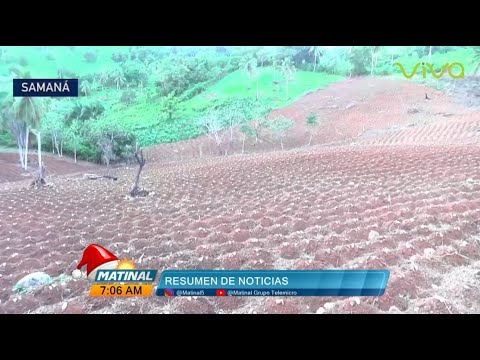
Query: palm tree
(29, 110)
(374, 54)
(317, 52)
(85, 87)
(119, 79)
(249, 65)
(476, 57)
(104, 78)
(288, 69)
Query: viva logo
(448, 67)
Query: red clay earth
(306, 208)
(10, 169)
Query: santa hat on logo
(96, 258)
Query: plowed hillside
(358, 109)
(381, 194)
(10, 169)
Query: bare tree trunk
(141, 163)
(75, 152)
(20, 153)
(281, 142)
(315, 62)
(56, 144)
(243, 142)
(53, 146)
(137, 177)
(310, 141)
(430, 55)
(27, 131)
(61, 148)
(39, 150)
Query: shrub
(119, 57)
(127, 97)
(22, 61)
(63, 73)
(5, 139)
(312, 119)
(90, 57)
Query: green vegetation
(139, 96)
(279, 127)
(311, 122)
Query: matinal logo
(45, 87)
(96, 257)
(111, 276)
(448, 67)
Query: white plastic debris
(32, 281)
(329, 305)
(373, 235)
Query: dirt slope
(10, 169)
(349, 110)
(312, 208)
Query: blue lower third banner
(45, 87)
(272, 282)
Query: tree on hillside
(259, 120)
(246, 130)
(476, 58)
(212, 124)
(374, 51)
(311, 122)
(53, 125)
(104, 78)
(288, 70)
(317, 52)
(279, 127)
(112, 141)
(30, 110)
(393, 51)
(73, 134)
(172, 74)
(85, 87)
(16, 129)
(135, 191)
(359, 58)
(263, 55)
(169, 104)
(119, 78)
(234, 115)
(249, 66)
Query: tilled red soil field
(408, 206)
(286, 210)
(10, 169)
